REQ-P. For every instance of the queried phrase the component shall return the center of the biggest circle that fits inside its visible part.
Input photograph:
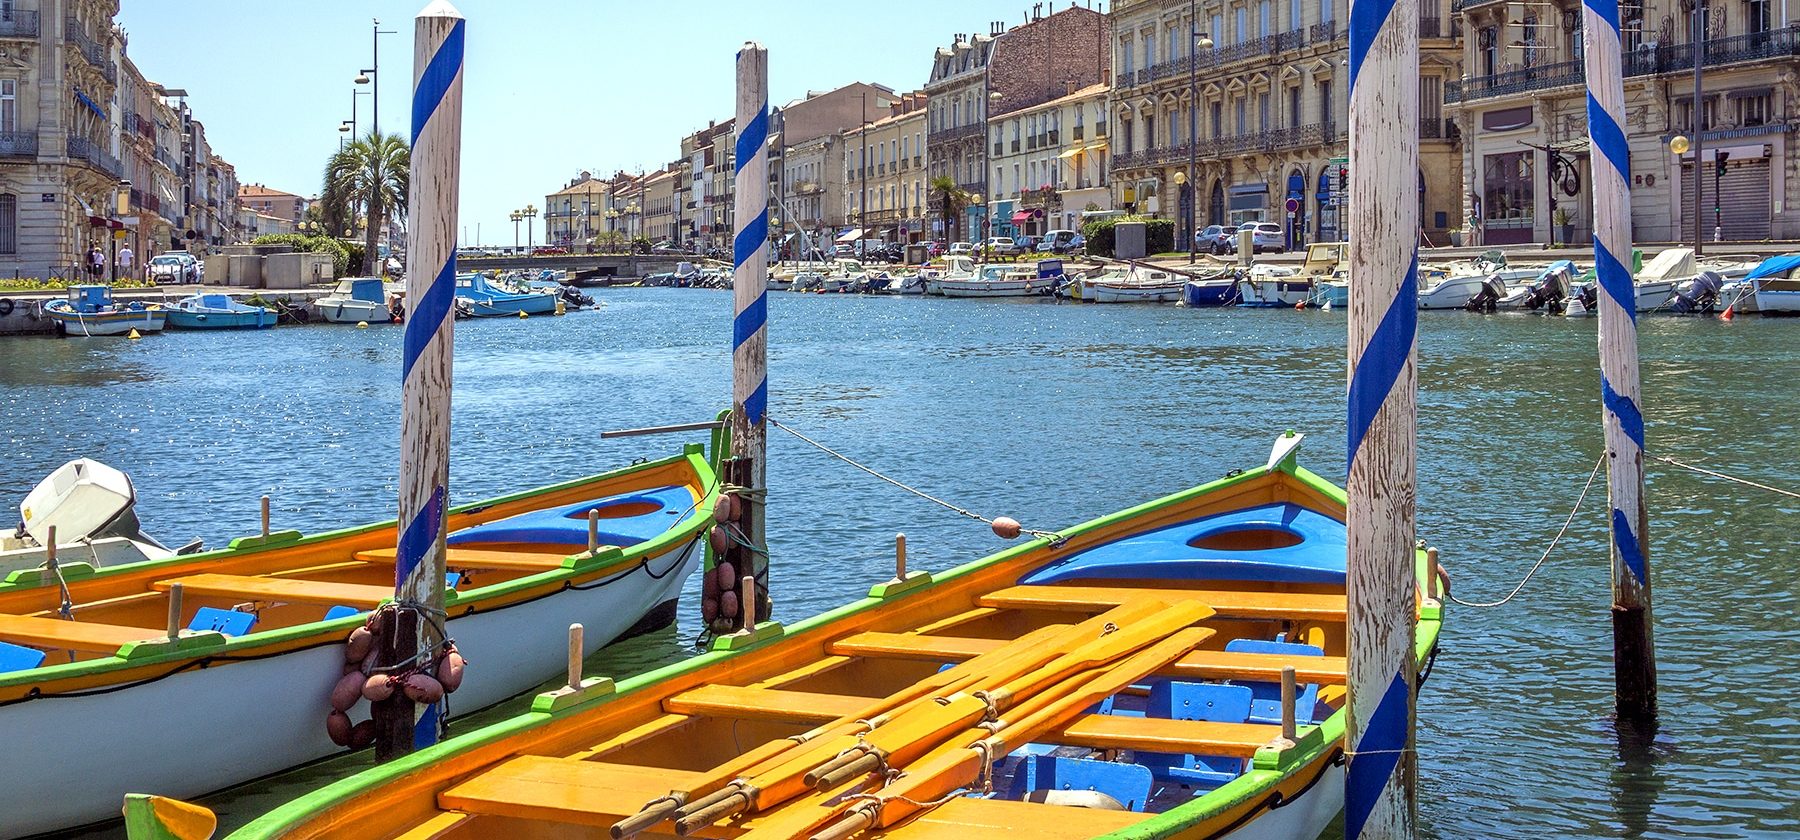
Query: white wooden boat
(91, 311)
(1137, 284)
(999, 281)
(1773, 287)
(1269, 286)
(356, 300)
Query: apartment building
(1254, 93)
(573, 214)
(956, 114)
(1521, 111)
(813, 181)
(1049, 163)
(884, 167)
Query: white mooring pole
(749, 283)
(1379, 796)
(1634, 660)
(425, 390)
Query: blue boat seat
(1182, 700)
(1265, 705)
(1130, 784)
(341, 611)
(1275, 543)
(19, 658)
(625, 520)
(451, 579)
(229, 622)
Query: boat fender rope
(1601, 462)
(992, 714)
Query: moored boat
(1118, 678)
(1137, 284)
(91, 311)
(215, 311)
(1217, 290)
(994, 280)
(1772, 287)
(105, 701)
(1268, 286)
(479, 298)
(356, 300)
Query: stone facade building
(813, 179)
(1521, 110)
(956, 114)
(884, 167)
(1049, 163)
(574, 214)
(1265, 112)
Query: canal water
(1054, 414)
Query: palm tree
(951, 198)
(370, 173)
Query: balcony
(1675, 58)
(1015, 145)
(1437, 129)
(19, 144)
(951, 135)
(1323, 32)
(19, 23)
(1031, 142)
(1431, 26)
(87, 151)
(90, 49)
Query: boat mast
(1634, 660)
(750, 290)
(412, 632)
(1379, 800)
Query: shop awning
(1099, 144)
(1022, 216)
(850, 235)
(1072, 152)
(83, 99)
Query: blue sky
(551, 88)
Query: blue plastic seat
(341, 611)
(1265, 705)
(1130, 784)
(451, 579)
(229, 622)
(1180, 700)
(19, 658)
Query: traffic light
(1343, 179)
(1719, 159)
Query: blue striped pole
(749, 283)
(1634, 662)
(1379, 797)
(425, 390)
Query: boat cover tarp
(1671, 264)
(1317, 555)
(1774, 267)
(1559, 265)
(366, 289)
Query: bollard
(899, 557)
(265, 516)
(174, 611)
(50, 549)
(575, 656)
(1436, 586)
(593, 532)
(1290, 728)
(747, 602)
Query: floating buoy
(450, 671)
(356, 647)
(709, 609)
(422, 688)
(728, 603)
(134, 334)
(725, 575)
(722, 509)
(522, 315)
(1007, 528)
(337, 725)
(561, 309)
(1727, 314)
(1300, 304)
(378, 687)
(362, 325)
(721, 539)
(348, 690)
(362, 734)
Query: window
(1489, 40)
(1149, 51)
(9, 224)
(1325, 15)
(1294, 106)
(1174, 131)
(1149, 131)
(1174, 43)
(1294, 14)
(1507, 199)
(9, 105)
(1265, 22)
(1125, 65)
(1218, 28)
(1325, 101)
(1756, 16)
(1431, 101)
(1262, 112)
(1243, 24)
(1218, 120)
(1753, 110)
(1242, 124)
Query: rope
(1049, 535)
(1744, 481)
(1547, 549)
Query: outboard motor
(1488, 299)
(1699, 295)
(1550, 292)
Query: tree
(371, 172)
(951, 199)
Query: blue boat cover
(625, 520)
(1171, 553)
(366, 289)
(1774, 267)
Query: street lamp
(372, 76)
(516, 216)
(1197, 41)
(979, 201)
(531, 212)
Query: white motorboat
(1269, 286)
(356, 299)
(954, 266)
(1136, 284)
(1771, 288)
(999, 281)
(91, 507)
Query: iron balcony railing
(18, 144)
(1646, 61)
(83, 149)
(948, 135)
(90, 49)
(1274, 139)
(1323, 31)
(1288, 41)
(19, 23)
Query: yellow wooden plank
(476, 558)
(1199, 664)
(437, 826)
(58, 634)
(1226, 603)
(965, 817)
(543, 788)
(1118, 732)
(748, 703)
(656, 726)
(286, 590)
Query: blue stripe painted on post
(1608, 12)
(1366, 19)
(1615, 280)
(750, 238)
(418, 538)
(1631, 420)
(445, 64)
(1379, 366)
(1626, 542)
(1375, 755)
(757, 404)
(750, 320)
(1608, 138)
(428, 313)
(751, 139)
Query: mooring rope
(1547, 549)
(1732, 478)
(1050, 535)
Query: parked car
(1265, 236)
(844, 250)
(549, 251)
(1062, 241)
(1000, 246)
(961, 249)
(175, 267)
(1025, 243)
(1216, 239)
(934, 248)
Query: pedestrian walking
(96, 262)
(125, 260)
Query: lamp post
(979, 200)
(531, 212)
(612, 225)
(1698, 123)
(516, 216)
(372, 76)
(1197, 41)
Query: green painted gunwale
(1312, 746)
(578, 567)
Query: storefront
(1736, 198)
(1249, 203)
(1507, 203)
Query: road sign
(1293, 205)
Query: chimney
(1069, 87)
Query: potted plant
(1566, 230)
(1456, 237)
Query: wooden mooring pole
(1379, 794)
(411, 630)
(1634, 660)
(749, 282)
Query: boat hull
(1274, 292)
(120, 322)
(1207, 293)
(184, 320)
(1452, 293)
(1128, 293)
(342, 311)
(500, 307)
(1776, 301)
(997, 288)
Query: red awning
(102, 221)
(1022, 216)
